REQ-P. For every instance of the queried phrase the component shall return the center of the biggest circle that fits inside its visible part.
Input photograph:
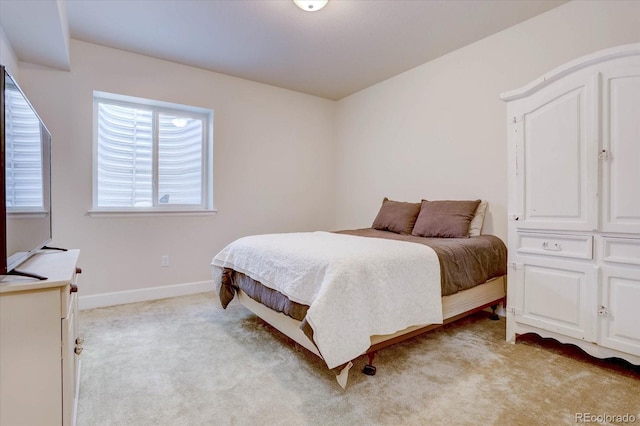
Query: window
(151, 156)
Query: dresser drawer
(575, 246)
(621, 250)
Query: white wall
(273, 166)
(439, 131)
(291, 162)
(8, 57)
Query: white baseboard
(142, 295)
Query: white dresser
(39, 343)
(574, 205)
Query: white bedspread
(355, 286)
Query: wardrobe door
(556, 295)
(618, 309)
(555, 135)
(620, 152)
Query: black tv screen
(25, 177)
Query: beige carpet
(185, 361)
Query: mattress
(464, 263)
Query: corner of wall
(8, 56)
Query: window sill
(140, 213)
(34, 214)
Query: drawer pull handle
(551, 247)
(73, 288)
(78, 350)
(79, 340)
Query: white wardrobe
(574, 205)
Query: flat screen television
(25, 178)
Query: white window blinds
(150, 157)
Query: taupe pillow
(396, 216)
(445, 219)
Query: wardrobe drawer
(621, 250)
(576, 246)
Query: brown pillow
(396, 216)
(445, 219)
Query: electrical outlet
(164, 261)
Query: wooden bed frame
(454, 307)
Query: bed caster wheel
(369, 370)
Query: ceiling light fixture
(311, 5)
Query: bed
(348, 293)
